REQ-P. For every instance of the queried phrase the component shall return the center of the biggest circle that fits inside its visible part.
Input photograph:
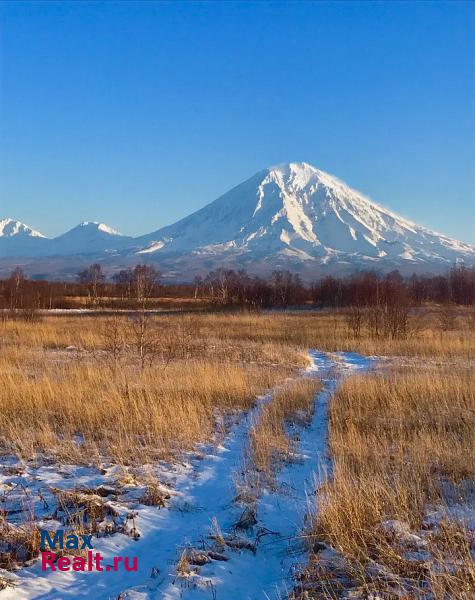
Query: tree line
(284, 289)
(140, 286)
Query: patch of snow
(154, 246)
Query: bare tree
(145, 281)
(114, 338)
(93, 278)
(124, 280)
(198, 282)
(282, 284)
(15, 284)
(143, 330)
(145, 338)
(374, 320)
(354, 319)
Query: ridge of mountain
(291, 216)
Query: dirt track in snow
(205, 490)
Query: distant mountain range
(292, 216)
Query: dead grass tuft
(18, 544)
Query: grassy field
(129, 388)
(83, 389)
(88, 387)
(393, 518)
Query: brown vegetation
(226, 288)
(403, 445)
(132, 389)
(270, 442)
(139, 388)
(89, 387)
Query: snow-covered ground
(202, 490)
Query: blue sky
(136, 114)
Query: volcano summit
(290, 216)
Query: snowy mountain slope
(298, 212)
(88, 237)
(18, 238)
(291, 216)
(10, 228)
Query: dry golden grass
(64, 392)
(270, 444)
(75, 387)
(401, 443)
(61, 382)
(328, 330)
(20, 543)
(128, 418)
(106, 303)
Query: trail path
(206, 490)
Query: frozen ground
(201, 491)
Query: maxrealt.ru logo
(54, 542)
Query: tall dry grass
(403, 444)
(270, 443)
(64, 387)
(86, 410)
(328, 330)
(71, 387)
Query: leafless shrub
(354, 319)
(395, 320)
(114, 338)
(145, 338)
(374, 320)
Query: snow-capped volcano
(298, 213)
(16, 238)
(291, 216)
(87, 238)
(11, 228)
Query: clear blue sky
(136, 114)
